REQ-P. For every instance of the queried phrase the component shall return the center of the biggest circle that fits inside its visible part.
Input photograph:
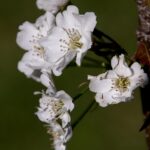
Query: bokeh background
(112, 128)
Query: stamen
(122, 83)
(57, 106)
(74, 40)
(38, 49)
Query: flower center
(39, 51)
(74, 40)
(55, 134)
(57, 106)
(122, 83)
(37, 48)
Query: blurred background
(115, 127)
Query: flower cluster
(51, 43)
(54, 110)
(117, 85)
(56, 38)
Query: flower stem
(116, 47)
(79, 95)
(83, 114)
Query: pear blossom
(70, 38)
(59, 135)
(117, 85)
(52, 6)
(54, 110)
(34, 63)
(31, 33)
(54, 106)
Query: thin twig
(83, 114)
(114, 45)
(75, 98)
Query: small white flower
(59, 135)
(51, 5)
(71, 37)
(117, 85)
(31, 33)
(34, 63)
(55, 106)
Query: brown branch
(143, 56)
(105, 46)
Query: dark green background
(113, 128)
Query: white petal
(116, 97)
(52, 45)
(97, 85)
(33, 60)
(122, 68)
(30, 34)
(100, 100)
(104, 99)
(68, 133)
(45, 116)
(45, 23)
(139, 78)
(25, 36)
(90, 77)
(65, 119)
(22, 67)
(114, 62)
(66, 19)
(57, 128)
(81, 52)
(136, 67)
(87, 21)
(44, 101)
(46, 81)
(51, 5)
(113, 97)
(72, 9)
(66, 99)
(60, 147)
(111, 74)
(29, 71)
(127, 95)
(99, 77)
(79, 58)
(31, 65)
(58, 67)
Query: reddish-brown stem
(143, 38)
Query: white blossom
(31, 33)
(59, 135)
(55, 106)
(51, 5)
(69, 39)
(117, 85)
(34, 63)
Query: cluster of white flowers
(117, 85)
(51, 43)
(54, 110)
